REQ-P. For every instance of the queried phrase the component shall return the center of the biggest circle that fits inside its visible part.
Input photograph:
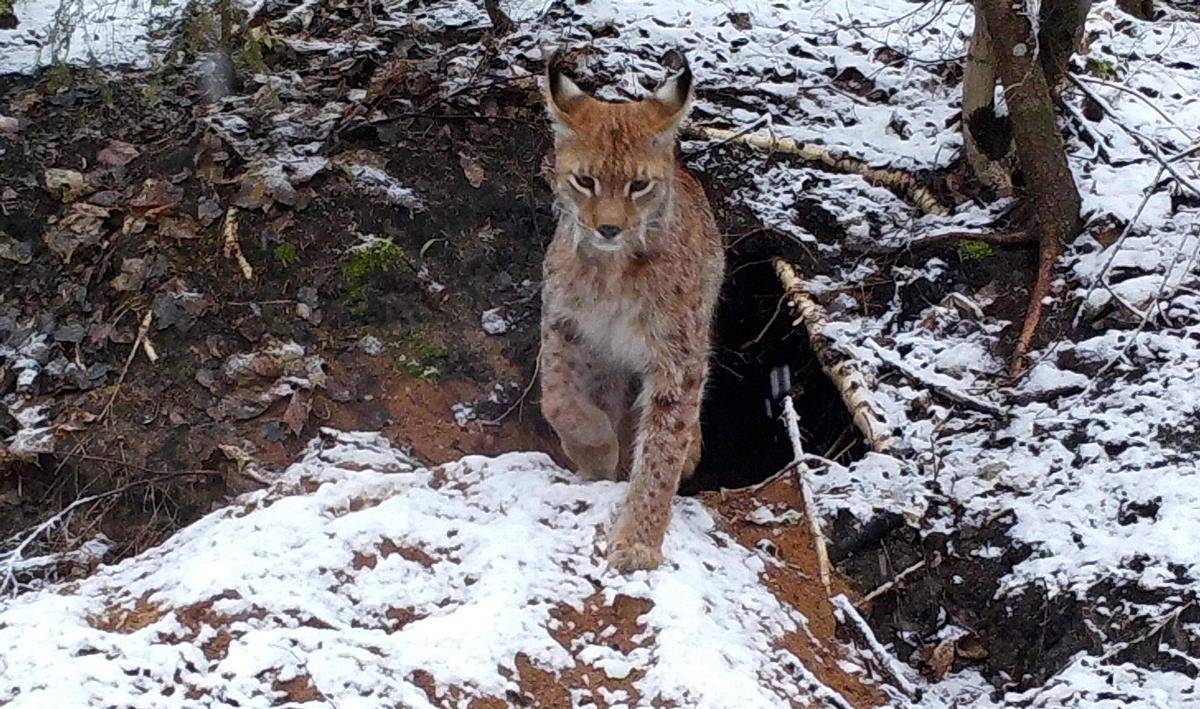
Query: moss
(1102, 69)
(975, 250)
(58, 76)
(365, 264)
(287, 254)
(422, 357)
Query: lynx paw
(624, 558)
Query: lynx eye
(583, 183)
(638, 188)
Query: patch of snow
(494, 322)
(473, 556)
(464, 413)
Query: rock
(371, 346)
(494, 322)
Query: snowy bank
(361, 578)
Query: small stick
(232, 248)
(143, 328)
(923, 378)
(537, 363)
(851, 383)
(792, 421)
(847, 615)
(884, 588)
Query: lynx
(632, 277)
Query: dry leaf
(157, 193)
(968, 646)
(118, 153)
(941, 659)
(472, 169)
(67, 184)
(297, 411)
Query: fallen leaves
(81, 226)
(472, 169)
(156, 194)
(13, 250)
(247, 384)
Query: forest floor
(337, 224)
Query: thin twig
(1148, 147)
(792, 422)
(143, 328)
(537, 363)
(848, 616)
(10, 559)
(956, 395)
(886, 587)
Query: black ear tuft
(676, 92)
(561, 93)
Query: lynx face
(614, 162)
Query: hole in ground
(744, 440)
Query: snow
(308, 579)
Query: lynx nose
(608, 231)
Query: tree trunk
(501, 24)
(986, 139)
(1060, 25)
(1141, 9)
(1049, 185)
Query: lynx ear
(674, 98)
(562, 94)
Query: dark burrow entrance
(744, 438)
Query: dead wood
(918, 194)
(853, 385)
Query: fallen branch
(924, 379)
(850, 381)
(920, 195)
(848, 618)
(792, 422)
(1009, 238)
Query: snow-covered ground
(369, 580)
(81, 32)
(1098, 457)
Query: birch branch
(792, 422)
(849, 379)
(920, 196)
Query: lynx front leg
(670, 405)
(583, 428)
